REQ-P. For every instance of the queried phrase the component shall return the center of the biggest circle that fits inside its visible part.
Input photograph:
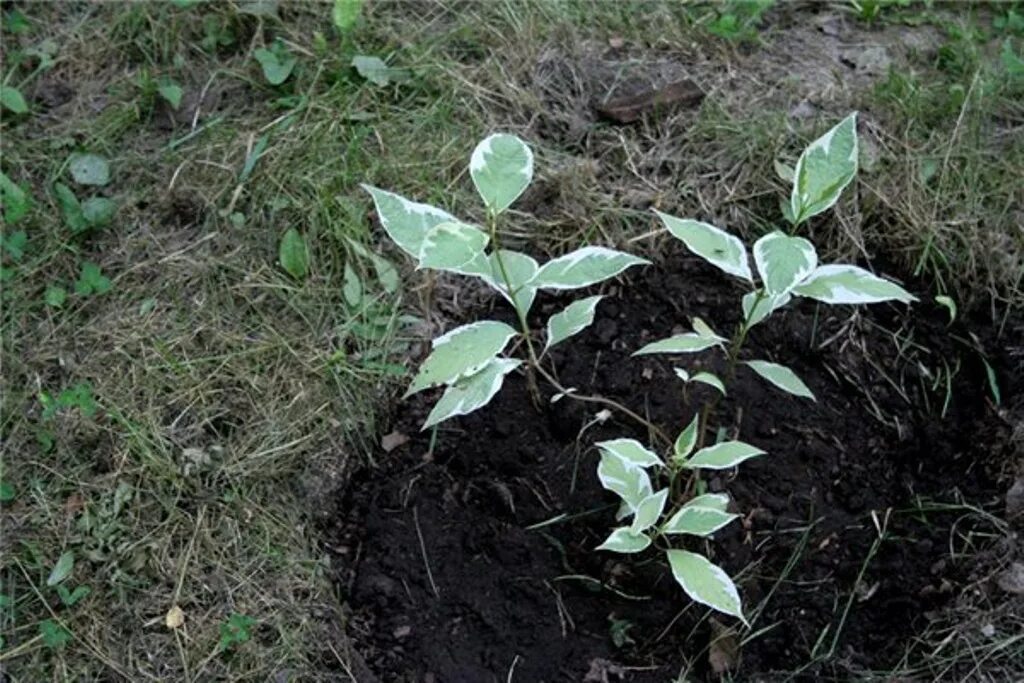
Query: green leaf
(69, 598)
(13, 245)
(461, 352)
(710, 379)
(824, 169)
(1012, 62)
(628, 481)
(521, 270)
(649, 511)
(722, 250)
(781, 376)
(455, 247)
(783, 261)
(387, 274)
(235, 631)
(584, 267)
(766, 304)
(681, 343)
(293, 254)
(54, 635)
(714, 501)
(89, 169)
(377, 71)
(72, 210)
(15, 200)
(98, 211)
(686, 440)
(406, 222)
(345, 13)
(352, 287)
(171, 92)
(62, 570)
(624, 540)
(722, 455)
(277, 63)
(705, 582)
(501, 167)
(472, 392)
(91, 280)
(7, 493)
(630, 451)
(55, 296)
(575, 318)
(697, 521)
(949, 304)
(12, 99)
(844, 284)
(704, 330)
(993, 382)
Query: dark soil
(874, 452)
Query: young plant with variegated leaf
(665, 498)
(468, 361)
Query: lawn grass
(232, 400)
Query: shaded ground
(842, 547)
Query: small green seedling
(293, 254)
(468, 360)
(663, 509)
(12, 100)
(235, 631)
(276, 61)
(92, 280)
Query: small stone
(1012, 580)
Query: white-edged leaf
(712, 244)
(783, 261)
(575, 318)
(501, 167)
(584, 267)
(824, 169)
(710, 379)
(455, 247)
(705, 582)
(623, 540)
(521, 269)
(649, 511)
(714, 501)
(460, 352)
(629, 482)
(686, 440)
(722, 455)
(682, 374)
(766, 304)
(704, 330)
(782, 377)
(689, 342)
(949, 304)
(630, 451)
(697, 521)
(472, 392)
(406, 222)
(624, 511)
(846, 284)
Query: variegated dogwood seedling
(664, 496)
(468, 360)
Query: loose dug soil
(447, 582)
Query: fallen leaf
(175, 617)
(684, 93)
(390, 442)
(724, 649)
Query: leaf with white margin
(623, 540)
(630, 451)
(709, 379)
(628, 482)
(575, 318)
(686, 440)
(406, 222)
(697, 520)
(846, 284)
(689, 342)
(712, 244)
(782, 377)
(783, 261)
(584, 267)
(472, 392)
(722, 455)
(624, 511)
(649, 511)
(715, 501)
(704, 330)
(682, 374)
(456, 247)
(766, 305)
(705, 582)
(501, 167)
(462, 351)
(521, 269)
(824, 169)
